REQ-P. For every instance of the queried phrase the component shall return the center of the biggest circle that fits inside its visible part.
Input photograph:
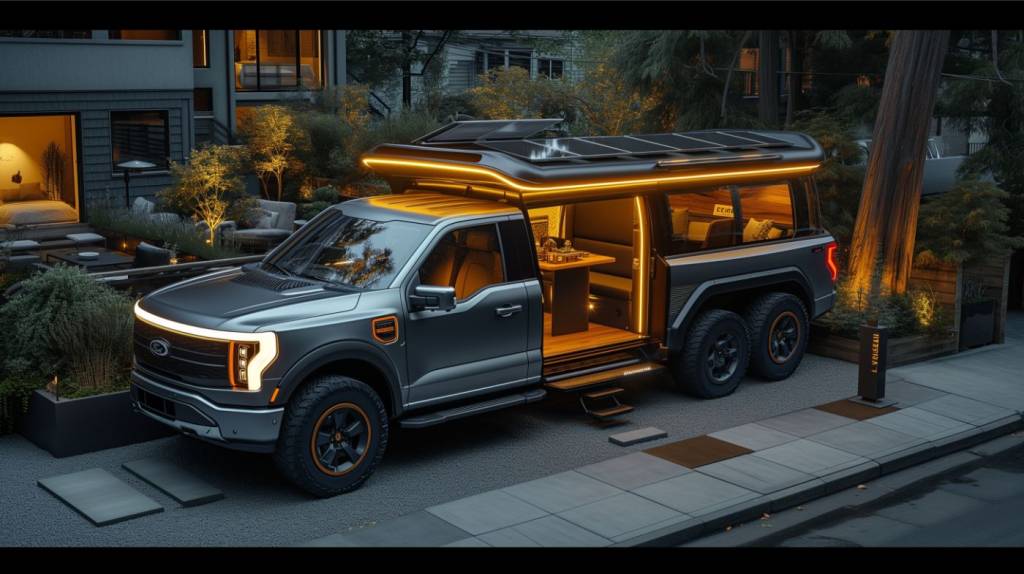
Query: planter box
(977, 324)
(67, 427)
(902, 350)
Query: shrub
(309, 210)
(184, 235)
(964, 224)
(51, 307)
(326, 194)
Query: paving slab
(99, 496)
(562, 491)
(909, 394)
(754, 436)
(796, 495)
(806, 422)
(486, 512)
(696, 494)
(632, 437)
(921, 424)
(965, 409)
(850, 477)
(757, 474)
(697, 451)
(547, 532)
(813, 458)
(634, 470)
(416, 530)
(866, 439)
(858, 409)
(181, 485)
(906, 456)
(623, 516)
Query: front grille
(189, 359)
(169, 409)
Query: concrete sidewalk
(644, 498)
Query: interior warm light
(266, 350)
(641, 296)
(451, 168)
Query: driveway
(422, 467)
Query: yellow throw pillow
(757, 230)
(775, 233)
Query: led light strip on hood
(263, 358)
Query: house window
(519, 59)
(48, 34)
(202, 99)
(38, 162)
(200, 49)
(549, 68)
(271, 60)
(160, 35)
(140, 135)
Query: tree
(205, 186)
(768, 77)
(379, 57)
(887, 216)
(268, 137)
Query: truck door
(480, 346)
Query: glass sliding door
(38, 169)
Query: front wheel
(333, 435)
(714, 356)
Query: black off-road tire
(691, 367)
(314, 404)
(767, 316)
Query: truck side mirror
(433, 298)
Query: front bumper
(253, 430)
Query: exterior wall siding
(98, 182)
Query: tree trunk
(728, 74)
(795, 76)
(768, 77)
(887, 217)
(407, 71)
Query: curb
(915, 467)
(988, 443)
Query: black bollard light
(874, 351)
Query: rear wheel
(779, 329)
(334, 434)
(715, 355)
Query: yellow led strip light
(259, 362)
(370, 162)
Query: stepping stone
(634, 470)
(637, 436)
(180, 485)
(99, 496)
(754, 436)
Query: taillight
(830, 260)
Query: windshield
(351, 252)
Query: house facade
(76, 103)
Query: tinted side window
(766, 212)
(702, 220)
(467, 259)
(518, 256)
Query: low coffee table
(107, 259)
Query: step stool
(608, 395)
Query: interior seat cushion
(610, 285)
(437, 269)
(481, 266)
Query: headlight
(249, 354)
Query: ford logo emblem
(159, 347)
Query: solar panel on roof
(578, 146)
(488, 129)
(531, 151)
(630, 144)
(765, 140)
(681, 143)
(724, 140)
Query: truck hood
(245, 300)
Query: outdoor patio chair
(147, 255)
(274, 226)
(147, 208)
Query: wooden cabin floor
(596, 335)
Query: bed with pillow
(28, 204)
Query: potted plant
(65, 359)
(978, 316)
(53, 164)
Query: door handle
(508, 310)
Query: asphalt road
(979, 507)
(422, 467)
